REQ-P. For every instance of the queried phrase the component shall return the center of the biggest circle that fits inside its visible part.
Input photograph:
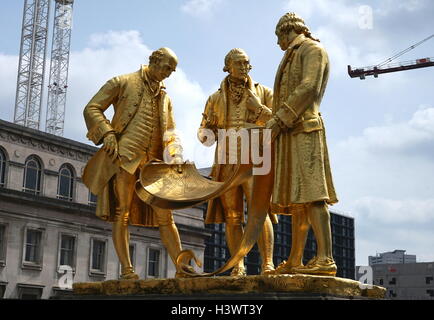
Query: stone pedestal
(276, 287)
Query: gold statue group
(299, 183)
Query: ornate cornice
(45, 142)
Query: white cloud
(339, 10)
(200, 8)
(189, 101)
(384, 178)
(119, 52)
(404, 138)
(394, 211)
(8, 80)
(108, 55)
(387, 7)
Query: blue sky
(380, 131)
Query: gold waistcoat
(142, 137)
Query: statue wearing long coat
(302, 167)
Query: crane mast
(58, 82)
(31, 67)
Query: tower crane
(32, 62)
(60, 52)
(387, 67)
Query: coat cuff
(97, 133)
(262, 115)
(287, 115)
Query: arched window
(65, 184)
(2, 168)
(92, 199)
(32, 176)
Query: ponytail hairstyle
(291, 21)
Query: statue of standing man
(142, 129)
(240, 103)
(303, 185)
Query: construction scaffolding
(58, 82)
(31, 67)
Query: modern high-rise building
(216, 252)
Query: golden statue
(239, 103)
(303, 185)
(142, 129)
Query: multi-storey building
(216, 252)
(406, 281)
(393, 257)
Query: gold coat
(302, 167)
(126, 94)
(218, 103)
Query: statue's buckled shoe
(319, 267)
(238, 272)
(129, 274)
(286, 268)
(267, 269)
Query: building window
(98, 257)
(428, 280)
(393, 281)
(92, 199)
(2, 244)
(392, 294)
(2, 168)
(32, 176)
(29, 292)
(153, 262)
(67, 250)
(33, 248)
(65, 184)
(430, 293)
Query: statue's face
(283, 40)
(239, 67)
(163, 69)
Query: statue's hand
(275, 128)
(212, 120)
(177, 162)
(253, 103)
(111, 145)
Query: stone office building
(47, 220)
(406, 281)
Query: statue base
(275, 287)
